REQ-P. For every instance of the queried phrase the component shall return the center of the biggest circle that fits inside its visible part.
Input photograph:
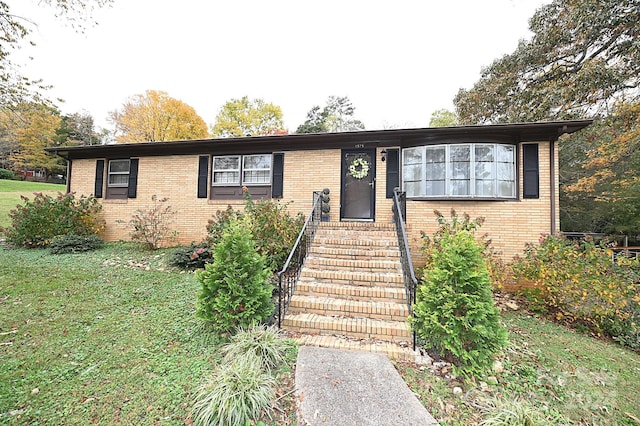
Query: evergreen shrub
(71, 243)
(454, 312)
(6, 174)
(236, 289)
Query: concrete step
(367, 328)
(391, 253)
(369, 279)
(357, 226)
(351, 292)
(361, 265)
(392, 311)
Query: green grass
(551, 369)
(106, 337)
(12, 190)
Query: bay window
(468, 170)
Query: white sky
(397, 61)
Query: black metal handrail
(410, 281)
(288, 276)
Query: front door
(357, 198)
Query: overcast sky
(397, 61)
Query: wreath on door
(359, 168)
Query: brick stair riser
(347, 292)
(393, 350)
(370, 266)
(354, 226)
(352, 278)
(350, 309)
(354, 254)
(391, 335)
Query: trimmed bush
(235, 394)
(455, 313)
(72, 243)
(6, 174)
(38, 221)
(579, 283)
(236, 290)
(192, 257)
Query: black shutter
(133, 178)
(531, 169)
(278, 176)
(203, 175)
(97, 190)
(393, 171)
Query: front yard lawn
(103, 337)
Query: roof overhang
(507, 133)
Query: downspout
(552, 158)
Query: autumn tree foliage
(611, 171)
(443, 118)
(336, 116)
(156, 117)
(248, 117)
(25, 130)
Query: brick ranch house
(506, 173)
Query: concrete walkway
(342, 388)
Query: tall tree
(32, 127)
(157, 117)
(583, 57)
(336, 116)
(612, 171)
(79, 129)
(443, 118)
(244, 117)
(16, 88)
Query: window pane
(459, 187)
(256, 176)
(413, 189)
(436, 171)
(484, 152)
(506, 189)
(226, 163)
(485, 188)
(119, 166)
(484, 170)
(506, 171)
(226, 177)
(262, 161)
(435, 155)
(505, 153)
(412, 156)
(435, 187)
(119, 180)
(412, 172)
(460, 170)
(460, 153)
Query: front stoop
(350, 294)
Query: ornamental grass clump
(455, 313)
(235, 394)
(258, 341)
(236, 288)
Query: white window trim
(269, 169)
(472, 174)
(213, 171)
(241, 169)
(110, 173)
